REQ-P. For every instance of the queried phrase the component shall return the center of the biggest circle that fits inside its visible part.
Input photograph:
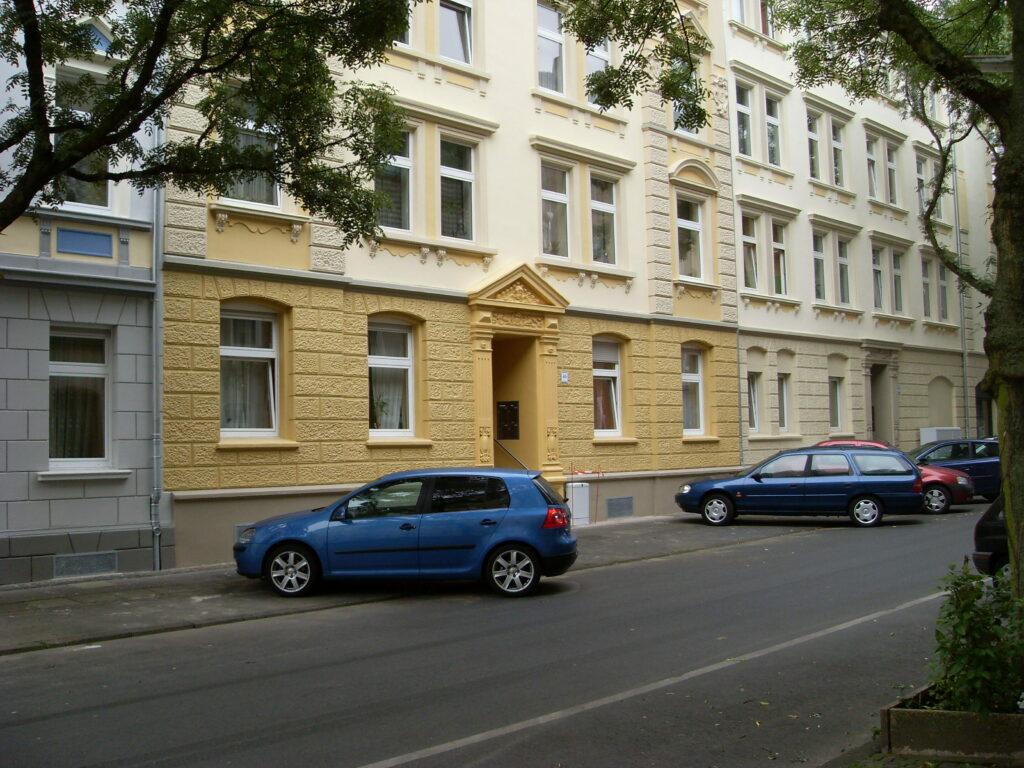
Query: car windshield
(921, 449)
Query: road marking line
(632, 693)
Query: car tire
(866, 511)
(512, 570)
(717, 509)
(292, 570)
(937, 499)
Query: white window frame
(407, 364)
(692, 226)
(872, 167)
(877, 278)
(257, 353)
(782, 384)
(843, 270)
(943, 292)
(554, 37)
(615, 376)
(603, 55)
(90, 371)
(694, 378)
(468, 5)
(447, 172)
(896, 279)
(779, 288)
(746, 111)
(836, 166)
(405, 162)
(753, 401)
(562, 199)
(250, 127)
(65, 72)
(770, 122)
(818, 262)
(813, 144)
(750, 240)
(767, 22)
(596, 205)
(835, 395)
(926, 285)
(891, 173)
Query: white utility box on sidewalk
(578, 495)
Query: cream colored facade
(489, 317)
(848, 325)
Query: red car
(943, 487)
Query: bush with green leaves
(979, 665)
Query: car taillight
(557, 518)
(918, 486)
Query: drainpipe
(157, 358)
(960, 286)
(739, 396)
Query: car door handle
(406, 527)
(488, 521)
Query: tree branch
(33, 47)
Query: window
(837, 153)
(843, 270)
(689, 236)
(77, 192)
(394, 182)
(950, 451)
(818, 249)
(602, 220)
(749, 235)
(773, 130)
(882, 464)
(607, 389)
(927, 173)
(468, 494)
(829, 465)
(550, 65)
(456, 190)
(891, 179)
(897, 282)
(986, 450)
(743, 120)
(921, 183)
(926, 286)
(791, 465)
(390, 366)
(877, 291)
(753, 396)
(693, 391)
(779, 257)
(783, 391)
(872, 171)
(554, 193)
(767, 22)
(386, 500)
(739, 11)
(943, 293)
(456, 29)
(812, 144)
(835, 402)
(260, 188)
(249, 372)
(598, 60)
(79, 399)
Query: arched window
(390, 365)
(607, 388)
(693, 389)
(249, 371)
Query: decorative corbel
(424, 254)
(373, 244)
(629, 284)
(487, 263)
(296, 232)
(220, 221)
(543, 269)
(441, 255)
(580, 278)
(593, 279)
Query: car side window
(465, 494)
(986, 450)
(950, 451)
(785, 466)
(828, 465)
(882, 464)
(390, 499)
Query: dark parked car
(978, 458)
(991, 550)
(863, 483)
(505, 527)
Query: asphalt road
(774, 652)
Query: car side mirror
(922, 461)
(340, 512)
(756, 476)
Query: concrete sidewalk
(94, 609)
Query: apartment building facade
(849, 325)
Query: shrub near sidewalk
(979, 664)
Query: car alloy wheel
(291, 571)
(866, 512)
(512, 571)
(936, 499)
(717, 510)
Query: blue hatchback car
(506, 527)
(862, 483)
(978, 458)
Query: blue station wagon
(978, 458)
(506, 527)
(861, 483)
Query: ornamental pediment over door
(522, 289)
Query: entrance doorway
(514, 372)
(881, 404)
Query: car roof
(817, 449)
(463, 471)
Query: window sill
(593, 271)
(564, 101)
(441, 247)
(701, 439)
(841, 436)
(824, 186)
(756, 438)
(836, 309)
(941, 325)
(769, 299)
(615, 441)
(789, 175)
(406, 52)
(890, 207)
(399, 442)
(256, 444)
(752, 34)
(697, 285)
(885, 317)
(82, 474)
(224, 212)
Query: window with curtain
(550, 62)
(773, 129)
(926, 286)
(598, 60)
(897, 282)
(812, 144)
(249, 372)
(390, 364)
(693, 391)
(394, 182)
(780, 282)
(753, 401)
(456, 25)
(749, 237)
(261, 187)
(602, 220)
(872, 142)
(554, 193)
(689, 234)
(607, 389)
(743, 116)
(457, 179)
(837, 153)
(843, 270)
(79, 382)
(818, 251)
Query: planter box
(955, 736)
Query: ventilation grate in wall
(84, 564)
(620, 506)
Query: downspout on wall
(157, 357)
